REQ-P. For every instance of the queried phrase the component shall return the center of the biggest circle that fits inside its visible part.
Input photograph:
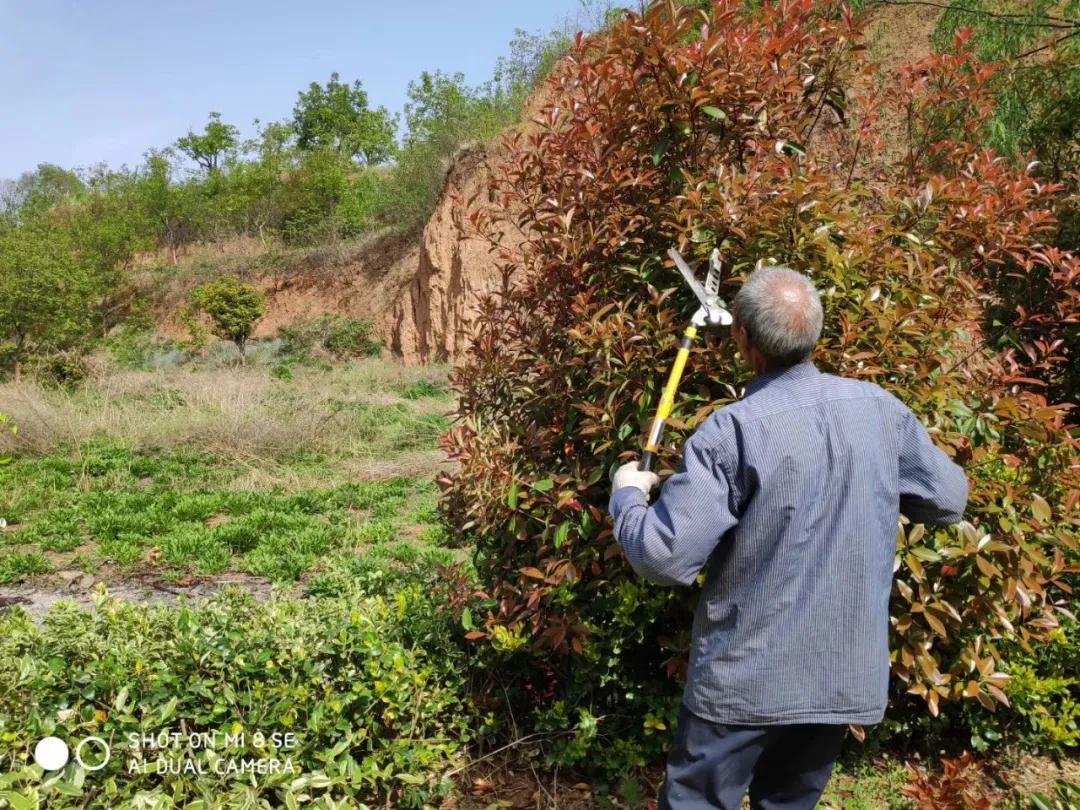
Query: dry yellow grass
(355, 412)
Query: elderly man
(789, 500)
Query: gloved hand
(631, 475)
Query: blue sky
(104, 80)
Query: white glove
(631, 475)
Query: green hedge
(371, 685)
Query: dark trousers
(712, 765)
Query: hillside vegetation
(337, 170)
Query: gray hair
(781, 312)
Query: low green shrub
(348, 337)
(61, 369)
(14, 567)
(376, 532)
(1043, 690)
(9, 429)
(424, 388)
(372, 575)
(233, 307)
(333, 335)
(137, 348)
(371, 687)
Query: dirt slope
(430, 319)
(358, 281)
(418, 290)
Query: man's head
(778, 318)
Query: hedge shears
(712, 312)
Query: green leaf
(17, 801)
(543, 485)
(715, 112)
(926, 554)
(467, 619)
(67, 789)
(561, 533)
(512, 496)
(661, 149)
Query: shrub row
(369, 685)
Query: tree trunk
(17, 371)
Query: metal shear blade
(708, 295)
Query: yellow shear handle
(667, 399)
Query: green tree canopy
(337, 116)
(233, 307)
(108, 227)
(43, 291)
(170, 208)
(210, 148)
(42, 188)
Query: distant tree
(256, 186)
(210, 148)
(108, 227)
(40, 189)
(311, 196)
(337, 116)
(533, 55)
(233, 307)
(171, 208)
(442, 110)
(43, 292)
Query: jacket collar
(799, 371)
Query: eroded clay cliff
(431, 319)
(419, 290)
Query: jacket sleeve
(933, 489)
(670, 541)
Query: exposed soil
(37, 594)
(1035, 774)
(454, 268)
(899, 35)
(516, 779)
(363, 281)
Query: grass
(354, 411)
(196, 471)
(179, 511)
(867, 786)
(16, 566)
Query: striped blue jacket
(789, 499)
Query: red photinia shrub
(757, 132)
(962, 784)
